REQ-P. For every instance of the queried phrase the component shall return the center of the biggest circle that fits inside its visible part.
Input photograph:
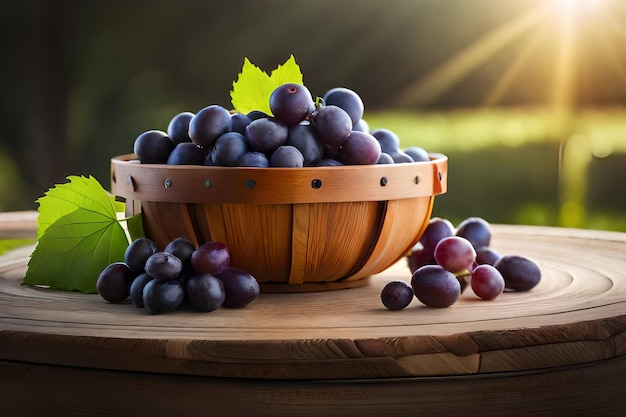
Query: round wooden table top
(575, 315)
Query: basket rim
(221, 185)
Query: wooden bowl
(293, 229)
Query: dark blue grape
(163, 296)
(396, 295)
(204, 292)
(153, 147)
(136, 289)
(332, 125)
(303, 137)
(361, 126)
(164, 266)
(253, 159)
(385, 158)
(178, 128)
(257, 114)
(186, 153)
(435, 287)
(487, 256)
(417, 154)
(240, 287)
(209, 124)
(519, 273)
(265, 135)
(329, 162)
(228, 149)
(389, 141)
(287, 157)
(114, 281)
(476, 230)
(182, 249)
(346, 99)
(437, 229)
(138, 252)
(238, 122)
(400, 157)
(360, 148)
(291, 103)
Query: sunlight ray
(512, 73)
(564, 72)
(439, 81)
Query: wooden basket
(293, 229)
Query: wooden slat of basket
(168, 221)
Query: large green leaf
(75, 249)
(253, 87)
(79, 234)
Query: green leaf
(135, 226)
(253, 87)
(79, 192)
(78, 236)
(74, 250)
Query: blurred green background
(526, 97)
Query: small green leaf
(74, 250)
(253, 87)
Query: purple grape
(437, 229)
(287, 157)
(417, 154)
(487, 256)
(228, 149)
(178, 128)
(204, 292)
(360, 148)
(385, 158)
(164, 266)
(265, 135)
(210, 258)
(186, 153)
(332, 125)
(519, 273)
(435, 287)
(476, 230)
(303, 137)
(162, 296)
(257, 114)
(153, 147)
(136, 289)
(209, 124)
(328, 162)
(396, 295)
(240, 287)
(347, 100)
(114, 281)
(138, 252)
(389, 141)
(253, 159)
(419, 258)
(291, 103)
(455, 254)
(487, 282)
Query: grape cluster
(298, 133)
(447, 260)
(180, 275)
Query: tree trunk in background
(47, 149)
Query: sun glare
(555, 41)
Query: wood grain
(576, 315)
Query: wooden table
(559, 349)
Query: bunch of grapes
(447, 260)
(179, 275)
(298, 133)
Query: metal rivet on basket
(383, 181)
(167, 183)
(207, 183)
(417, 179)
(250, 183)
(316, 183)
